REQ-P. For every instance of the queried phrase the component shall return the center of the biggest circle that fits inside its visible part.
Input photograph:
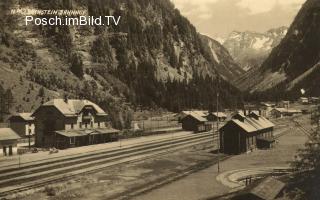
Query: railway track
(36, 175)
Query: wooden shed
(196, 123)
(242, 133)
(266, 189)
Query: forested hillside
(154, 58)
(294, 64)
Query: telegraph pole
(219, 139)
(218, 131)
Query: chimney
(65, 98)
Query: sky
(218, 18)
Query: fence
(154, 124)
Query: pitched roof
(24, 116)
(79, 133)
(201, 113)
(73, 106)
(219, 114)
(8, 134)
(282, 110)
(269, 188)
(197, 116)
(250, 123)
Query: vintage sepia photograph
(160, 99)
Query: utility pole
(220, 139)
(218, 133)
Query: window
(72, 126)
(98, 124)
(86, 125)
(72, 140)
(91, 124)
(80, 124)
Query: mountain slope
(155, 57)
(294, 64)
(250, 49)
(226, 66)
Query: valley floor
(187, 174)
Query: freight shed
(196, 123)
(245, 133)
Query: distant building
(265, 109)
(8, 142)
(314, 100)
(284, 104)
(71, 123)
(304, 100)
(217, 116)
(283, 112)
(278, 112)
(23, 124)
(196, 123)
(185, 113)
(244, 133)
(266, 189)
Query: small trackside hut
(245, 133)
(8, 142)
(64, 123)
(196, 123)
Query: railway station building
(245, 133)
(8, 142)
(64, 123)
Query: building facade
(245, 133)
(196, 123)
(71, 123)
(217, 116)
(8, 142)
(22, 124)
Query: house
(304, 100)
(23, 124)
(266, 189)
(266, 108)
(196, 123)
(216, 116)
(64, 123)
(8, 142)
(278, 112)
(282, 112)
(244, 133)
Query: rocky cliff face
(226, 66)
(250, 49)
(294, 64)
(155, 57)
